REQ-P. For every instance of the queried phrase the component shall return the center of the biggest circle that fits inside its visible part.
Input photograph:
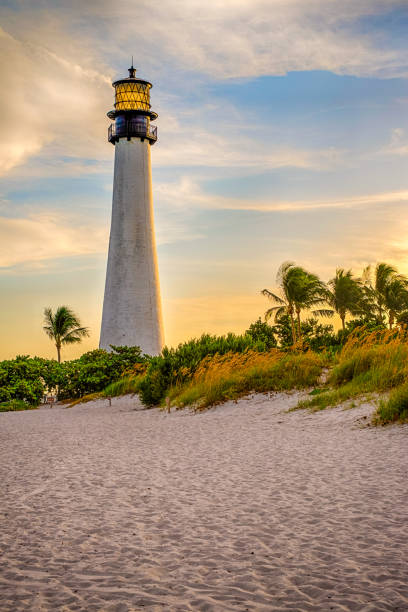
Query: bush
(260, 331)
(29, 378)
(23, 379)
(15, 405)
(316, 336)
(97, 369)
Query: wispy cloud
(48, 235)
(187, 193)
(248, 38)
(191, 145)
(39, 237)
(398, 144)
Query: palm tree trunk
(58, 352)
(292, 324)
(342, 317)
(298, 323)
(391, 319)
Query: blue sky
(283, 134)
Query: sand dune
(244, 507)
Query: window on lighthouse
(132, 96)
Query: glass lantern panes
(132, 96)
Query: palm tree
(63, 327)
(396, 300)
(344, 294)
(299, 290)
(310, 292)
(386, 294)
(286, 279)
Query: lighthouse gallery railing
(131, 129)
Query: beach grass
(394, 408)
(123, 386)
(223, 377)
(369, 363)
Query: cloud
(191, 145)
(398, 145)
(34, 241)
(48, 103)
(249, 38)
(48, 235)
(57, 66)
(187, 193)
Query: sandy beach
(243, 507)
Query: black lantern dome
(132, 114)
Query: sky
(283, 135)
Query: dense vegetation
(367, 355)
(27, 379)
(370, 363)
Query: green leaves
(63, 327)
(378, 297)
(28, 379)
(300, 290)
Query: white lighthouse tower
(132, 305)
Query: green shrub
(97, 369)
(260, 331)
(15, 405)
(29, 378)
(23, 379)
(153, 387)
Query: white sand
(240, 508)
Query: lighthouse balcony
(131, 129)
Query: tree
(396, 300)
(385, 293)
(287, 278)
(345, 294)
(63, 327)
(309, 292)
(260, 331)
(299, 290)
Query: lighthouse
(132, 304)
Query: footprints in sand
(241, 508)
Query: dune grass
(123, 386)
(233, 375)
(395, 408)
(369, 363)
